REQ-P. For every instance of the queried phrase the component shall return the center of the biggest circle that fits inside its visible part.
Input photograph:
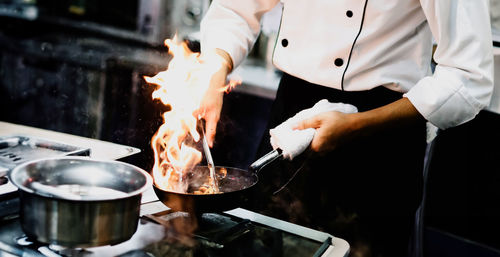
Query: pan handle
(266, 159)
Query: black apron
(366, 192)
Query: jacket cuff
(443, 106)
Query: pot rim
(148, 184)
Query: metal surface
(210, 162)
(19, 9)
(98, 149)
(266, 159)
(98, 218)
(234, 189)
(213, 231)
(338, 247)
(17, 149)
(54, 191)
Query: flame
(231, 85)
(182, 87)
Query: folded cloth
(294, 142)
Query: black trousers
(366, 192)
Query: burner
(213, 227)
(65, 251)
(213, 234)
(221, 229)
(57, 248)
(23, 241)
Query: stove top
(169, 233)
(160, 231)
(17, 149)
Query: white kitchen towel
(294, 142)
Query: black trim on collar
(278, 35)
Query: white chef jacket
(358, 45)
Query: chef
(363, 180)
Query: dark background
(89, 85)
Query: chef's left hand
(332, 130)
(336, 128)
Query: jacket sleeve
(233, 26)
(462, 82)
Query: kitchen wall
(90, 83)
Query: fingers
(313, 122)
(199, 113)
(210, 111)
(316, 145)
(317, 122)
(210, 128)
(211, 121)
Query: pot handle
(266, 159)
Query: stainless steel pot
(79, 202)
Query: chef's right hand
(211, 103)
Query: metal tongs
(210, 161)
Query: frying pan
(234, 188)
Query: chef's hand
(332, 129)
(211, 103)
(336, 128)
